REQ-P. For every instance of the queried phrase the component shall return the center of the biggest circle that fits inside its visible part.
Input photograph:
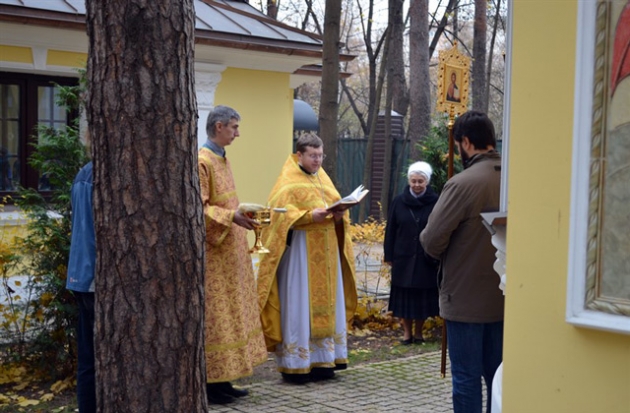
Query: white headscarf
(421, 168)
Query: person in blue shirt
(80, 281)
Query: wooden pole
(451, 143)
(451, 156)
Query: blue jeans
(86, 388)
(475, 351)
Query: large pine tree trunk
(419, 79)
(142, 115)
(329, 101)
(479, 97)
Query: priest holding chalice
(234, 343)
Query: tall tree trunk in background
(495, 26)
(367, 24)
(142, 115)
(419, 79)
(367, 167)
(329, 101)
(272, 9)
(456, 19)
(479, 97)
(387, 161)
(396, 61)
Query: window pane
(10, 102)
(60, 125)
(9, 157)
(48, 112)
(9, 137)
(44, 103)
(52, 116)
(59, 111)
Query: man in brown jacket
(470, 299)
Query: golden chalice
(263, 217)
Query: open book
(351, 200)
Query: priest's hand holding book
(349, 201)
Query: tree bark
(419, 78)
(142, 116)
(329, 101)
(479, 97)
(396, 61)
(272, 9)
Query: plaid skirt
(414, 303)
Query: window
(25, 101)
(9, 133)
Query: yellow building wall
(63, 58)
(16, 54)
(20, 54)
(265, 102)
(549, 365)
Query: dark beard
(464, 156)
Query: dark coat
(408, 215)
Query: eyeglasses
(316, 157)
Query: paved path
(403, 385)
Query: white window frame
(507, 107)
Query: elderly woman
(414, 292)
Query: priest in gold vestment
(234, 342)
(306, 284)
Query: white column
(207, 78)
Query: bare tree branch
(441, 26)
(353, 104)
(310, 12)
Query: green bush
(434, 150)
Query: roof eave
(256, 44)
(316, 71)
(42, 17)
(262, 45)
(47, 18)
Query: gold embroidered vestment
(300, 193)
(234, 343)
